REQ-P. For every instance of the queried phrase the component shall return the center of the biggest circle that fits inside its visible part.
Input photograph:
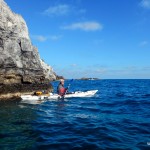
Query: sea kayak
(56, 96)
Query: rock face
(48, 71)
(20, 62)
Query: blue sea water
(117, 117)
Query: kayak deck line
(56, 96)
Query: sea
(117, 117)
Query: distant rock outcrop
(20, 62)
(85, 78)
(59, 77)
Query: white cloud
(105, 72)
(39, 38)
(145, 4)
(86, 26)
(78, 71)
(55, 37)
(64, 10)
(42, 38)
(73, 65)
(59, 10)
(143, 43)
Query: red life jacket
(62, 91)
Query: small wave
(117, 117)
(120, 95)
(146, 95)
(22, 106)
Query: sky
(106, 39)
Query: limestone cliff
(20, 62)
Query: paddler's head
(62, 81)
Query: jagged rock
(59, 77)
(48, 71)
(20, 62)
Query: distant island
(85, 78)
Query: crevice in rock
(1, 43)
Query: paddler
(61, 90)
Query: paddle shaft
(68, 87)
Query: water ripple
(116, 118)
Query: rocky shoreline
(21, 68)
(14, 91)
